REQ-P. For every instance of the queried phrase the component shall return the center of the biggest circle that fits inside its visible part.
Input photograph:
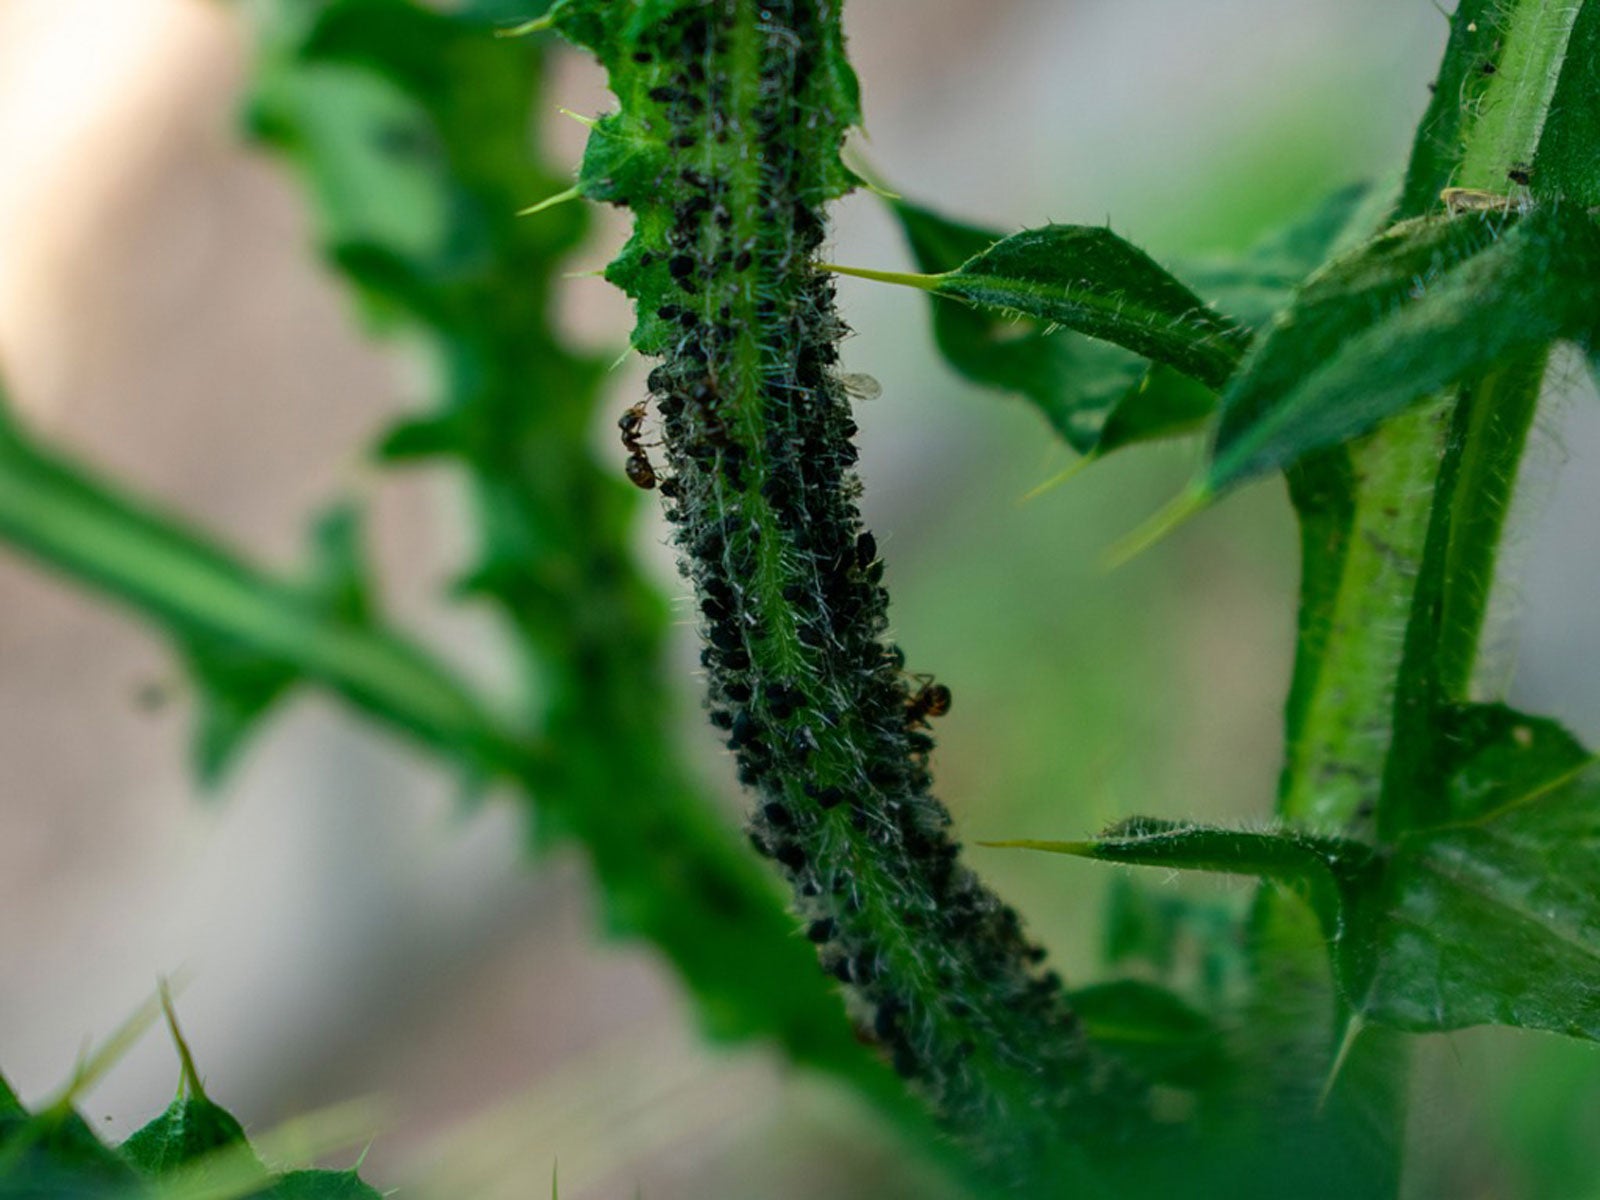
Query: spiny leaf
(1073, 380)
(1255, 286)
(1489, 918)
(194, 1150)
(1429, 303)
(193, 1127)
(1163, 403)
(1493, 919)
(55, 1156)
(1088, 279)
(321, 1185)
(1098, 395)
(1302, 861)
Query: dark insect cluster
(825, 725)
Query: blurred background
(348, 929)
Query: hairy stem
(726, 148)
(1339, 746)
(1488, 432)
(1399, 537)
(1494, 94)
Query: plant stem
(1338, 749)
(1348, 676)
(1504, 132)
(82, 526)
(1472, 497)
(1399, 537)
(725, 149)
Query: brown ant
(638, 467)
(929, 700)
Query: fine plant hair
(1429, 861)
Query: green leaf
(236, 685)
(1491, 920)
(1252, 289)
(1073, 380)
(1162, 404)
(53, 1155)
(1255, 286)
(191, 1128)
(1567, 168)
(1098, 395)
(1154, 1031)
(321, 1185)
(234, 689)
(1429, 303)
(1088, 279)
(1307, 863)
(1491, 917)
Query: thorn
(95, 1063)
(592, 273)
(1189, 502)
(1072, 471)
(190, 1079)
(572, 193)
(537, 25)
(1352, 1030)
(586, 122)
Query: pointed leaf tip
(537, 25)
(572, 193)
(1184, 506)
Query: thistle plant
(1431, 860)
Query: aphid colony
(825, 725)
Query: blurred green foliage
(409, 128)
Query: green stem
(1338, 748)
(1505, 129)
(103, 538)
(1342, 713)
(1399, 537)
(1473, 495)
